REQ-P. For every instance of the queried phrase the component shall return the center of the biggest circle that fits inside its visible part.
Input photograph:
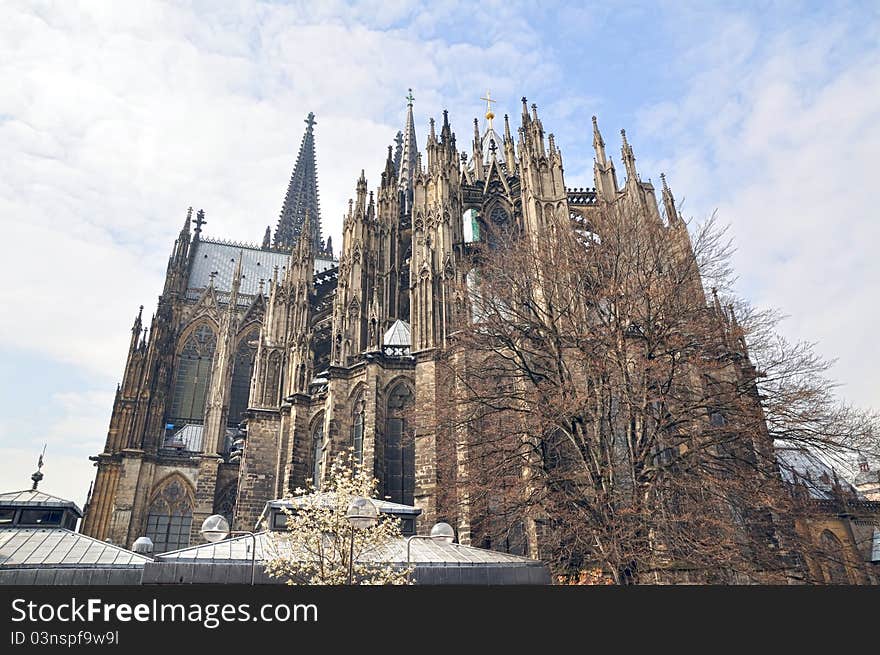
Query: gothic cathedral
(262, 362)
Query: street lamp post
(441, 533)
(362, 514)
(216, 528)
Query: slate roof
(57, 547)
(798, 465)
(209, 255)
(32, 498)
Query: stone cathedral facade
(261, 362)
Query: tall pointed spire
(302, 195)
(410, 153)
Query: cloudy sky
(117, 116)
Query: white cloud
(117, 116)
(781, 133)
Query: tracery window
(499, 224)
(242, 369)
(193, 376)
(399, 469)
(169, 518)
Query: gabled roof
(398, 334)
(57, 547)
(256, 264)
(34, 498)
(799, 466)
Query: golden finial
(489, 113)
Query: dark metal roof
(211, 256)
(799, 466)
(34, 498)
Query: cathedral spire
(410, 151)
(267, 238)
(302, 194)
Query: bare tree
(616, 422)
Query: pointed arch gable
(168, 479)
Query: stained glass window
(170, 518)
(193, 377)
(399, 469)
(242, 369)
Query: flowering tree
(317, 545)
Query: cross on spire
(409, 98)
(489, 113)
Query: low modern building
(39, 546)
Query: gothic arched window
(497, 228)
(835, 568)
(169, 517)
(317, 451)
(399, 470)
(193, 376)
(224, 504)
(357, 429)
(242, 369)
